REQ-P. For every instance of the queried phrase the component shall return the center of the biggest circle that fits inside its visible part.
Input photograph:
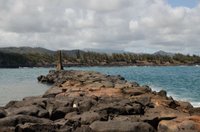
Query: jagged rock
(185, 105)
(35, 127)
(120, 109)
(10, 104)
(60, 112)
(162, 93)
(57, 108)
(133, 91)
(73, 116)
(85, 105)
(195, 111)
(7, 129)
(89, 117)
(52, 92)
(31, 110)
(163, 112)
(66, 128)
(43, 113)
(125, 126)
(85, 118)
(144, 100)
(184, 124)
(146, 88)
(83, 128)
(21, 119)
(107, 84)
(27, 102)
(2, 113)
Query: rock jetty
(84, 101)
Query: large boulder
(52, 92)
(21, 119)
(184, 124)
(31, 110)
(7, 129)
(39, 101)
(119, 126)
(89, 117)
(36, 127)
(2, 113)
(60, 112)
(119, 108)
(162, 93)
(83, 128)
(194, 111)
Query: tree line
(92, 58)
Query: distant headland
(14, 57)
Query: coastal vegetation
(38, 57)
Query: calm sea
(181, 82)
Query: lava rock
(118, 126)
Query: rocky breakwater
(85, 101)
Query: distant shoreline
(108, 65)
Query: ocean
(180, 82)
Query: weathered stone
(2, 113)
(83, 128)
(43, 113)
(132, 91)
(35, 127)
(86, 105)
(89, 117)
(95, 86)
(27, 102)
(185, 105)
(195, 111)
(52, 92)
(31, 110)
(60, 112)
(186, 124)
(163, 112)
(11, 103)
(7, 129)
(73, 116)
(118, 126)
(118, 108)
(65, 128)
(21, 119)
(144, 100)
(107, 84)
(146, 88)
(162, 93)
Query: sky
(137, 26)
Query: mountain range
(40, 50)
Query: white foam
(174, 96)
(196, 104)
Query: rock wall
(93, 102)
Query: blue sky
(186, 3)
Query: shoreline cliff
(90, 101)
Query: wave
(176, 97)
(195, 104)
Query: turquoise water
(181, 82)
(15, 84)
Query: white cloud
(138, 26)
